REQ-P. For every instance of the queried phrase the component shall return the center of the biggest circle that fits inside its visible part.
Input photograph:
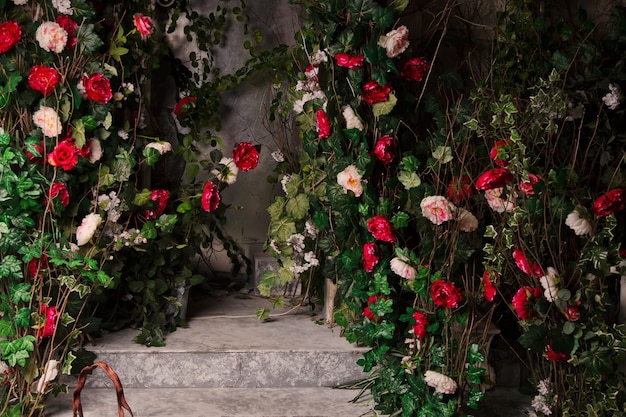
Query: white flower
(49, 373)
(467, 221)
(87, 228)
(274, 246)
(47, 119)
(613, 98)
(352, 120)
(63, 6)
(543, 387)
(318, 57)
(311, 259)
(549, 283)
(440, 382)
(278, 156)
(95, 150)
(540, 404)
(578, 224)
(296, 241)
(228, 173)
(117, 96)
(160, 146)
(437, 209)
(122, 134)
(400, 266)
(283, 182)
(3, 367)
(311, 229)
(51, 37)
(350, 179)
(499, 204)
(395, 42)
(20, 2)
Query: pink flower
(50, 318)
(349, 61)
(143, 24)
(51, 37)
(10, 35)
(499, 204)
(609, 203)
(494, 178)
(210, 197)
(523, 302)
(400, 266)
(421, 321)
(350, 180)
(94, 150)
(395, 42)
(371, 256)
(414, 69)
(245, 156)
(527, 186)
(445, 294)
(323, 124)
(530, 268)
(385, 149)
(460, 188)
(437, 209)
(183, 106)
(375, 93)
(381, 229)
(97, 88)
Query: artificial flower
(50, 315)
(69, 25)
(160, 197)
(549, 282)
(227, 172)
(97, 88)
(466, 220)
(20, 2)
(579, 224)
(63, 6)
(489, 284)
(94, 150)
(610, 202)
(183, 105)
(528, 267)
(51, 37)
(381, 229)
(527, 186)
(400, 266)
(245, 156)
(318, 57)
(613, 98)
(59, 189)
(440, 382)
(374, 92)
(350, 180)
(445, 294)
(43, 79)
(47, 119)
(421, 321)
(160, 146)
(37, 264)
(324, 128)
(572, 311)
(555, 356)
(10, 35)
(278, 156)
(523, 302)
(36, 159)
(296, 242)
(65, 155)
(371, 256)
(460, 188)
(437, 209)
(352, 120)
(494, 178)
(143, 24)
(50, 372)
(499, 153)
(87, 228)
(349, 61)
(210, 197)
(499, 204)
(367, 312)
(385, 149)
(413, 69)
(395, 42)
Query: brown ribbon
(77, 408)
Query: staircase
(227, 363)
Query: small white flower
(283, 182)
(578, 224)
(87, 228)
(95, 150)
(117, 96)
(352, 120)
(613, 98)
(440, 382)
(318, 57)
(63, 6)
(311, 259)
(161, 146)
(549, 283)
(296, 241)
(228, 173)
(50, 372)
(467, 221)
(274, 246)
(311, 229)
(278, 156)
(122, 134)
(400, 266)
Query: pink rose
(395, 42)
(414, 69)
(445, 294)
(609, 203)
(10, 35)
(43, 79)
(494, 178)
(143, 24)
(323, 124)
(210, 197)
(385, 149)
(349, 61)
(371, 256)
(51, 37)
(97, 88)
(437, 209)
(374, 92)
(381, 229)
(245, 156)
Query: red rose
(413, 69)
(384, 149)
(371, 256)
(69, 26)
(97, 88)
(160, 197)
(374, 92)
(245, 156)
(460, 188)
(50, 314)
(10, 34)
(58, 189)
(494, 178)
(143, 24)
(531, 268)
(210, 197)
(445, 294)
(489, 280)
(499, 153)
(184, 105)
(36, 159)
(349, 61)
(43, 79)
(523, 301)
(323, 124)
(527, 186)
(381, 229)
(552, 355)
(37, 264)
(65, 155)
(367, 312)
(421, 321)
(609, 203)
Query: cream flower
(95, 150)
(499, 204)
(400, 266)
(318, 57)
(440, 382)
(160, 146)
(350, 179)
(87, 228)
(50, 372)
(352, 120)
(63, 6)
(578, 224)
(549, 283)
(467, 221)
(47, 119)
(51, 37)
(437, 209)
(613, 98)
(395, 42)
(228, 173)
(20, 2)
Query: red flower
(161, 197)
(143, 24)
(494, 178)
(97, 88)
(323, 124)
(445, 294)
(10, 34)
(381, 229)
(51, 315)
(531, 268)
(58, 189)
(36, 159)
(69, 26)
(523, 301)
(43, 79)
(527, 186)
(371, 256)
(499, 153)
(65, 155)
(245, 156)
(349, 61)
(572, 312)
(210, 197)
(367, 312)
(414, 69)
(421, 321)
(184, 105)
(374, 92)
(384, 149)
(489, 280)
(609, 203)
(37, 264)
(552, 355)
(460, 188)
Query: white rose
(579, 225)
(87, 228)
(395, 42)
(352, 120)
(161, 147)
(50, 372)
(440, 382)
(47, 119)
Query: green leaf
(148, 230)
(262, 313)
(22, 318)
(142, 198)
(443, 154)
(20, 292)
(298, 207)
(398, 5)
(88, 41)
(6, 328)
(410, 163)
(78, 133)
(11, 267)
(409, 179)
(383, 16)
(534, 338)
(151, 155)
(381, 109)
(400, 220)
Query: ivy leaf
(20, 292)
(361, 9)
(443, 154)
(398, 5)
(78, 133)
(22, 318)
(474, 397)
(105, 178)
(6, 328)
(11, 267)
(534, 338)
(400, 220)
(152, 156)
(282, 229)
